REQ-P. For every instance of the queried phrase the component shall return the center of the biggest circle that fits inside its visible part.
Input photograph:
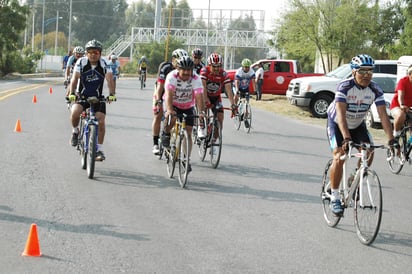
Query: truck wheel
(319, 105)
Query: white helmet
(113, 57)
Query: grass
(280, 105)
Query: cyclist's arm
(228, 88)
(169, 93)
(341, 119)
(205, 97)
(73, 82)
(159, 89)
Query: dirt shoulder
(280, 105)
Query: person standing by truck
(401, 102)
(259, 82)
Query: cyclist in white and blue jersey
(243, 76)
(346, 115)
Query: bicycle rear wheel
(216, 144)
(331, 219)
(183, 145)
(247, 119)
(397, 157)
(368, 215)
(91, 152)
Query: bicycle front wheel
(81, 145)
(91, 152)
(331, 219)
(397, 156)
(216, 144)
(368, 208)
(247, 119)
(237, 119)
(183, 158)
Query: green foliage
(12, 22)
(338, 30)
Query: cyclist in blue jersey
(197, 55)
(114, 64)
(243, 76)
(78, 52)
(89, 75)
(346, 115)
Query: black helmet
(185, 62)
(197, 52)
(94, 44)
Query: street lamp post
(57, 31)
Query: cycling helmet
(185, 62)
(197, 52)
(362, 61)
(113, 57)
(144, 58)
(94, 44)
(215, 59)
(246, 63)
(79, 50)
(179, 53)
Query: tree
(12, 22)
(335, 30)
(404, 44)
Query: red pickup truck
(277, 75)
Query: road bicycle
(178, 151)
(362, 191)
(397, 157)
(88, 135)
(213, 139)
(142, 79)
(243, 114)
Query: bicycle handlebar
(364, 146)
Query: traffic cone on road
(32, 243)
(34, 99)
(17, 128)
(50, 90)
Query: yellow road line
(10, 92)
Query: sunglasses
(95, 52)
(216, 66)
(365, 71)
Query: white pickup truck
(317, 92)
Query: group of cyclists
(187, 85)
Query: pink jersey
(184, 91)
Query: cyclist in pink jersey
(183, 89)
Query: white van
(403, 63)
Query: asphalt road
(259, 212)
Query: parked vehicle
(277, 75)
(318, 92)
(403, 63)
(388, 83)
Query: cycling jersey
(198, 67)
(215, 83)
(358, 99)
(184, 91)
(244, 78)
(164, 69)
(405, 85)
(114, 66)
(91, 77)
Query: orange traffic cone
(17, 128)
(32, 244)
(34, 99)
(50, 90)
